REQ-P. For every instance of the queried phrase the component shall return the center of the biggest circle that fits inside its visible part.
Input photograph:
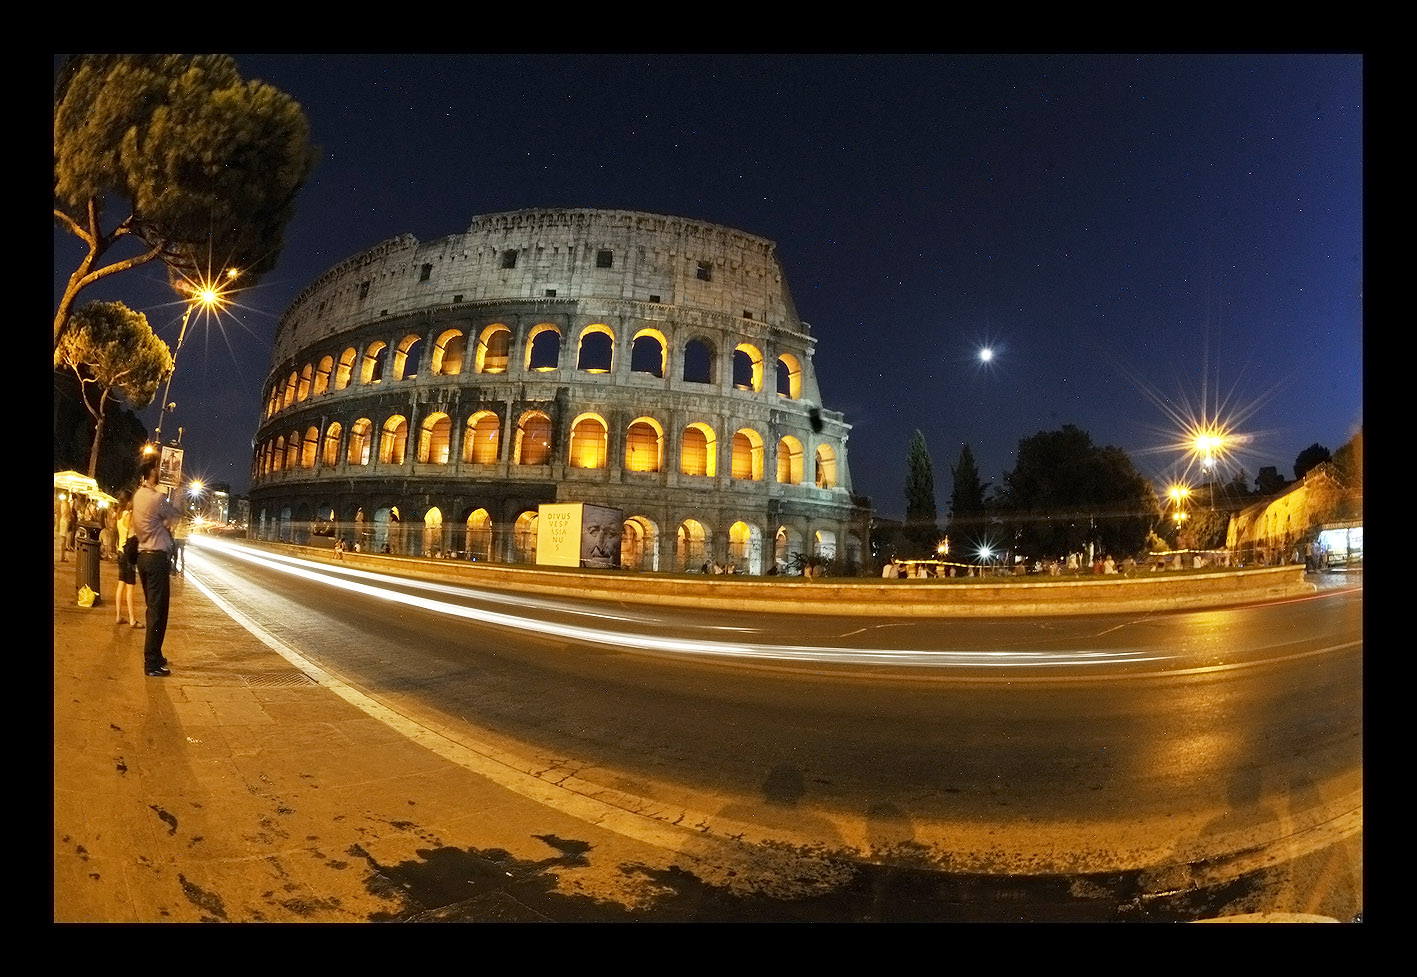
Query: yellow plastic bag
(86, 596)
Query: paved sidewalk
(239, 790)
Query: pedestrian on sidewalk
(127, 561)
(153, 517)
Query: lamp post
(208, 295)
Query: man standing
(153, 514)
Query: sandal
(135, 624)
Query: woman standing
(127, 568)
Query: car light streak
(322, 573)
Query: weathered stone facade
(429, 396)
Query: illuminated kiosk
(427, 398)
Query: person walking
(153, 515)
(127, 561)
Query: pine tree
(967, 499)
(920, 525)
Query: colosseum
(425, 399)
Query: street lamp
(209, 295)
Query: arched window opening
(747, 368)
(647, 353)
(588, 442)
(278, 459)
(304, 391)
(826, 467)
(639, 548)
(644, 446)
(322, 375)
(493, 349)
(448, 354)
(745, 547)
(292, 451)
(534, 439)
(482, 438)
(789, 377)
(290, 386)
(393, 441)
(479, 536)
(433, 543)
(748, 455)
(824, 544)
(360, 441)
(435, 439)
(372, 370)
(407, 357)
(345, 370)
(543, 349)
(597, 352)
(789, 461)
(697, 454)
(698, 362)
(524, 537)
(332, 438)
(690, 548)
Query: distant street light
(209, 295)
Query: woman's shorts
(126, 573)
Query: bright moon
(986, 354)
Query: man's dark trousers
(155, 566)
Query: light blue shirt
(152, 512)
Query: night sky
(1140, 239)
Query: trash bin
(86, 554)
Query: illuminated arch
(322, 375)
(789, 377)
(290, 386)
(745, 547)
(435, 437)
(448, 353)
(393, 440)
(372, 369)
(433, 531)
(826, 467)
(292, 451)
(408, 357)
(787, 542)
(332, 439)
(747, 367)
(524, 538)
(649, 353)
(533, 445)
(639, 549)
(789, 461)
(690, 548)
(482, 439)
(543, 348)
(589, 438)
(278, 458)
(596, 349)
(824, 544)
(304, 390)
(361, 438)
(644, 445)
(748, 455)
(345, 371)
(493, 349)
(479, 535)
(698, 450)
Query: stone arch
(393, 440)
(639, 544)
(787, 543)
(826, 467)
(789, 377)
(408, 357)
(747, 367)
(745, 547)
(698, 450)
(589, 438)
(533, 445)
(543, 348)
(372, 369)
(303, 391)
(322, 375)
(690, 545)
(700, 362)
(748, 455)
(290, 386)
(649, 353)
(596, 349)
(330, 458)
(824, 544)
(789, 461)
(524, 537)
(644, 445)
(448, 352)
(432, 536)
(482, 439)
(493, 349)
(361, 439)
(435, 436)
(292, 450)
(479, 536)
(344, 373)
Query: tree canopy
(1312, 456)
(112, 350)
(920, 514)
(1065, 492)
(967, 498)
(195, 164)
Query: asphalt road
(1213, 746)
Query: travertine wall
(409, 335)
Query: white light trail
(1014, 658)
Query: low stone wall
(860, 597)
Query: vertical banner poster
(601, 528)
(169, 467)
